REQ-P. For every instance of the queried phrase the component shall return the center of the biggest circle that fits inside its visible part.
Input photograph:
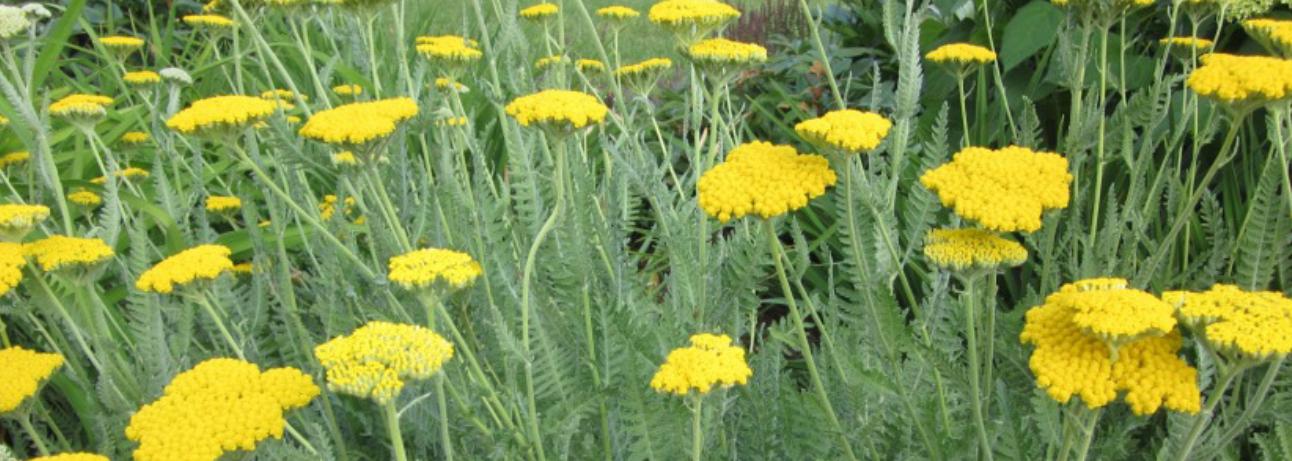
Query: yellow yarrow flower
(58, 252)
(17, 220)
(221, 115)
(375, 361)
(243, 268)
(85, 198)
(347, 90)
(965, 249)
(23, 374)
(1200, 44)
(72, 457)
(11, 263)
(1243, 82)
(356, 125)
(961, 54)
(848, 131)
(88, 107)
(223, 204)
(448, 49)
(135, 137)
(1108, 309)
(617, 13)
(1248, 324)
(126, 173)
(221, 405)
(642, 76)
(328, 207)
(344, 158)
(549, 61)
(558, 110)
(121, 43)
(720, 52)
(590, 65)
(711, 360)
(142, 78)
(540, 11)
(445, 83)
(14, 158)
(200, 263)
(209, 21)
(1068, 360)
(451, 121)
(763, 179)
(690, 20)
(430, 267)
(1004, 190)
(284, 95)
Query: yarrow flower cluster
(349, 90)
(692, 19)
(125, 173)
(558, 110)
(720, 53)
(221, 115)
(1004, 190)
(376, 360)
(209, 21)
(58, 252)
(451, 50)
(549, 61)
(1070, 358)
(1244, 82)
(221, 405)
(356, 125)
(961, 54)
(14, 158)
(432, 266)
(11, 264)
(81, 107)
(590, 65)
(763, 179)
(711, 360)
(617, 13)
(85, 198)
(121, 44)
(200, 263)
(22, 375)
(142, 78)
(540, 11)
(17, 220)
(1247, 324)
(1274, 34)
(223, 204)
(72, 457)
(966, 249)
(847, 131)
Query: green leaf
(55, 41)
(1032, 28)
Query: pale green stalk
(697, 430)
(396, 435)
(25, 421)
(815, 31)
(975, 367)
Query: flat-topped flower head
(1187, 48)
(60, 252)
(198, 264)
(546, 62)
(210, 22)
(1248, 324)
(72, 457)
(129, 173)
(1108, 309)
(1275, 35)
(1242, 82)
(121, 44)
(1005, 190)
(220, 406)
(617, 14)
(345, 158)
(23, 373)
(285, 95)
(558, 111)
(16, 220)
(968, 249)
(763, 179)
(221, 116)
(711, 360)
(348, 90)
(449, 52)
(1070, 361)
(223, 204)
(450, 121)
(691, 20)
(11, 263)
(87, 108)
(847, 131)
(539, 12)
(433, 267)
(376, 360)
(142, 78)
(358, 126)
(590, 66)
(13, 21)
(722, 55)
(14, 158)
(85, 198)
(642, 76)
(176, 76)
(960, 54)
(446, 83)
(135, 138)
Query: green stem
(964, 111)
(996, 70)
(396, 435)
(806, 348)
(1103, 122)
(697, 431)
(1089, 434)
(971, 337)
(815, 31)
(1227, 376)
(386, 206)
(1235, 428)
(205, 302)
(431, 301)
(25, 421)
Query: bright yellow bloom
(433, 266)
(347, 90)
(445, 83)
(200, 263)
(618, 13)
(221, 405)
(558, 109)
(11, 264)
(142, 77)
(696, 17)
(90, 106)
(281, 94)
(590, 65)
(72, 457)
(359, 123)
(22, 375)
(1069, 360)
(243, 268)
(652, 65)
(328, 207)
(212, 21)
(1245, 82)
(448, 49)
(17, 220)
(85, 198)
(135, 137)
(221, 114)
(549, 61)
(14, 158)
(723, 52)
(1004, 190)
(121, 43)
(58, 252)
(1254, 324)
(1187, 43)
(344, 158)
(848, 130)
(1107, 309)
(963, 249)
(710, 360)
(223, 204)
(451, 121)
(127, 173)
(961, 54)
(540, 11)
(763, 179)
(376, 360)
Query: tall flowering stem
(975, 367)
(396, 434)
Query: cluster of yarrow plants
(353, 229)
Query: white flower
(176, 75)
(13, 21)
(37, 10)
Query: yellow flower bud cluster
(965, 249)
(209, 21)
(848, 130)
(121, 43)
(223, 204)
(221, 405)
(23, 372)
(221, 113)
(617, 13)
(376, 360)
(350, 90)
(20, 218)
(142, 78)
(14, 158)
(448, 49)
(649, 66)
(1004, 190)
(424, 268)
(91, 106)
(1274, 34)
(540, 11)
(1111, 311)
(359, 123)
(135, 137)
(62, 252)
(1243, 81)
(85, 198)
(711, 360)
(202, 262)
(1250, 324)
(764, 179)
(961, 54)
(558, 109)
(720, 52)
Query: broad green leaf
(1032, 28)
